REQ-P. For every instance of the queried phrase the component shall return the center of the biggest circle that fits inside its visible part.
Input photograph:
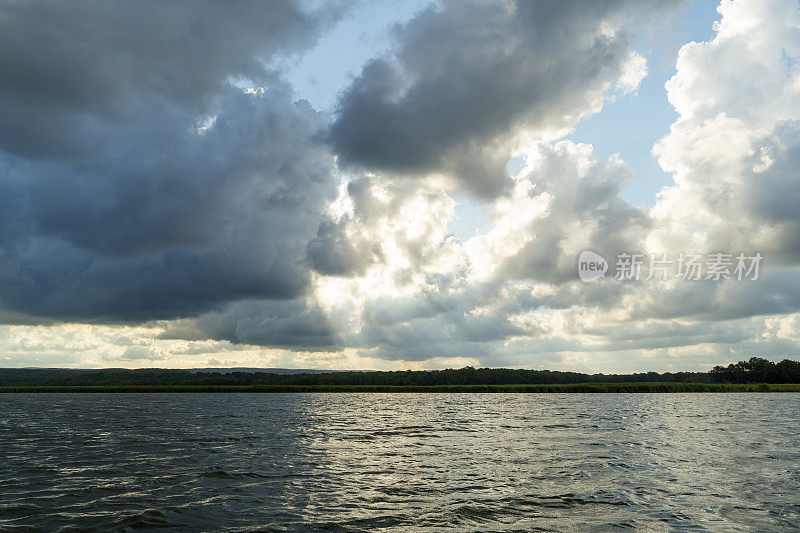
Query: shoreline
(652, 387)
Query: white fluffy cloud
(734, 150)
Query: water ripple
(394, 462)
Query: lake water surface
(400, 462)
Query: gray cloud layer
(74, 72)
(137, 181)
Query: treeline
(755, 370)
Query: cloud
(564, 201)
(73, 72)
(469, 81)
(293, 325)
(153, 165)
(174, 196)
(734, 149)
(421, 293)
(150, 353)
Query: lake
(400, 462)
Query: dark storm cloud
(332, 253)
(289, 324)
(72, 71)
(137, 182)
(467, 76)
(213, 218)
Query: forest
(754, 371)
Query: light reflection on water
(354, 462)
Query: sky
(389, 185)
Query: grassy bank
(573, 388)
